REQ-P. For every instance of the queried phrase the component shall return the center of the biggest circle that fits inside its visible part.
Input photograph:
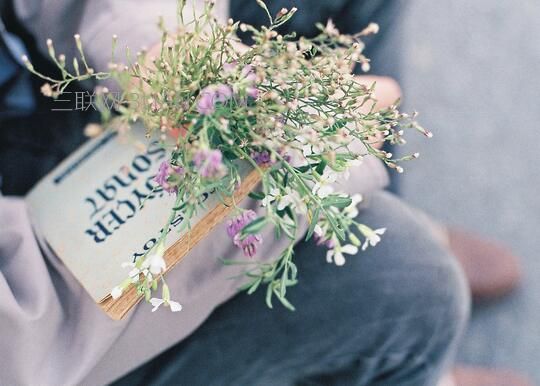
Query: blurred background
(471, 70)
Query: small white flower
(336, 254)
(330, 28)
(156, 303)
(352, 163)
(373, 237)
(352, 211)
(175, 306)
(365, 66)
(134, 275)
(134, 272)
(319, 231)
(116, 292)
(47, 90)
(310, 142)
(324, 186)
(271, 196)
(289, 198)
(155, 261)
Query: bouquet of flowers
(288, 107)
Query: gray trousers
(391, 316)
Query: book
(99, 208)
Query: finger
(387, 90)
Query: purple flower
(262, 158)
(249, 244)
(208, 163)
(229, 68)
(248, 74)
(165, 171)
(247, 77)
(236, 224)
(286, 157)
(210, 95)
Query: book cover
(100, 208)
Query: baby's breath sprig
(288, 107)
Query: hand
(387, 92)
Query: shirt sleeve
(135, 22)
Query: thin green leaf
(336, 201)
(255, 226)
(314, 220)
(256, 195)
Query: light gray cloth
(51, 332)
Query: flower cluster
(211, 95)
(248, 243)
(167, 175)
(290, 108)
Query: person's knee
(451, 295)
(416, 278)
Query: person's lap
(391, 315)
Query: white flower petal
(351, 212)
(175, 306)
(324, 191)
(116, 292)
(349, 249)
(157, 264)
(285, 202)
(339, 259)
(365, 245)
(329, 176)
(356, 199)
(329, 255)
(156, 303)
(274, 192)
(380, 231)
(374, 239)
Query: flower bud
(78, 43)
(116, 292)
(26, 62)
(50, 48)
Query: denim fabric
(391, 316)
(16, 95)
